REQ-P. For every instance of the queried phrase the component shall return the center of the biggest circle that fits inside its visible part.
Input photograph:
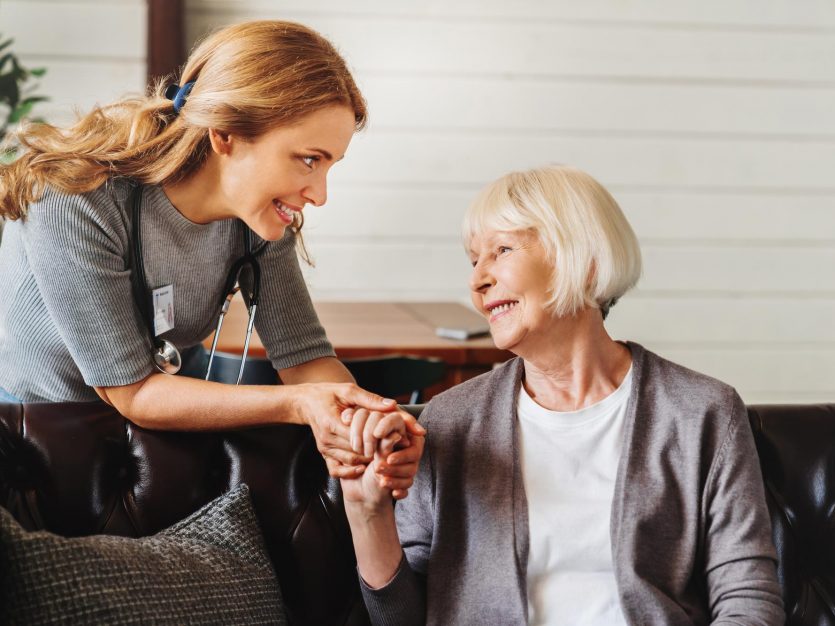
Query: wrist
(369, 511)
(294, 404)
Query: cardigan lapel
(521, 531)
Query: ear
(221, 141)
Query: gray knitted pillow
(211, 567)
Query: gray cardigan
(691, 536)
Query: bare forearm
(376, 542)
(324, 370)
(180, 403)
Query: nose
(480, 277)
(317, 192)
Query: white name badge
(163, 309)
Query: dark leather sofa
(79, 469)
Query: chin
(503, 342)
(270, 232)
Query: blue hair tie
(178, 94)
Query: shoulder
(101, 212)
(671, 392)
(114, 193)
(665, 377)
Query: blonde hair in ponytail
(248, 78)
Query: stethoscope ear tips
(167, 357)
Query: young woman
(129, 229)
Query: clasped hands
(366, 440)
(391, 445)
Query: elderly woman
(587, 481)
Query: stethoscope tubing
(165, 354)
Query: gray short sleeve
(286, 320)
(76, 249)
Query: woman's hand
(320, 405)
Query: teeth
(502, 308)
(283, 209)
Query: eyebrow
(325, 153)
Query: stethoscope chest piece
(167, 357)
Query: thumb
(412, 424)
(367, 400)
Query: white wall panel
(784, 14)
(78, 28)
(763, 370)
(474, 158)
(580, 49)
(688, 320)
(485, 104)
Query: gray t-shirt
(68, 319)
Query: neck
(199, 197)
(577, 365)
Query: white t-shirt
(569, 465)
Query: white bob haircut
(593, 249)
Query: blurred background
(711, 122)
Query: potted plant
(17, 98)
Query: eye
(310, 160)
(503, 250)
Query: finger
(347, 416)
(368, 439)
(412, 424)
(338, 470)
(390, 423)
(387, 444)
(411, 454)
(366, 399)
(397, 471)
(386, 482)
(357, 428)
(345, 457)
(399, 494)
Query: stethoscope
(166, 356)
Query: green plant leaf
(34, 99)
(9, 90)
(16, 87)
(7, 156)
(21, 111)
(5, 59)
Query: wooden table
(364, 329)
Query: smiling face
(265, 181)
(510, 286)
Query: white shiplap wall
(94, 51)
(711, 122)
